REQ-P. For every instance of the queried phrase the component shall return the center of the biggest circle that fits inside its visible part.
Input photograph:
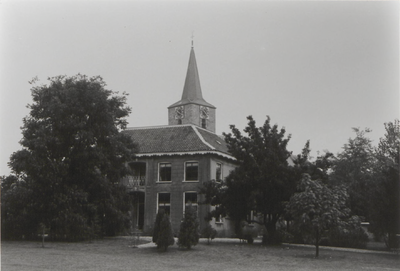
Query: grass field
(116, 254)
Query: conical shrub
(189, 229)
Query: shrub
(287, 237)
(273, 239)
(349, 234)
(189, 230)
(163, 235)
(248, 232)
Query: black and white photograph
(197, 135)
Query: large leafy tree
(353, 168)
(72, 158)
(384, 195)
(263, 180)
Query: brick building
(175, 159)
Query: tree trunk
(43, 232)
(270, 237)
(317, 243)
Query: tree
(16, 219)
(302, 163)
(189, 229)
(324, 165)
(317, 208)
(318, 169)
(162, 234)
(234, 202)
(72, 159)
(384, 191)
(353, 168)
(157, 223)
(261, 183)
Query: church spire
(192, 89)
(192, 108)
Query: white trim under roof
(160, 127)
(185, 153)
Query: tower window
(179, 121)
(204, 123)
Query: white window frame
(193, 204)
(159, 171)
(198, 171)
(221, 172)
(218, 220)
(158, 204)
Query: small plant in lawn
(163, 235)
(209, 233)
(189, 230)
(42, 232)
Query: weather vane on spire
(192, 38)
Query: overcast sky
(316, 68)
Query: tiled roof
(179, 139)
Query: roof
(177, 140)
(192, 90)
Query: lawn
(116, 254)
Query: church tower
(192, 108)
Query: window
(179, 121)
(251, 215)
(190, 197)
(164, 172)
(164, 202)
(218, 172)
(203, 123)
(191, 171)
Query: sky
(317, 68)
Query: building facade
(174, 160)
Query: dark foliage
(353, 168)
(189, 229)
(66, 175)
(351, 234)
(262, 182)
(163, 235)
(384, 196)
